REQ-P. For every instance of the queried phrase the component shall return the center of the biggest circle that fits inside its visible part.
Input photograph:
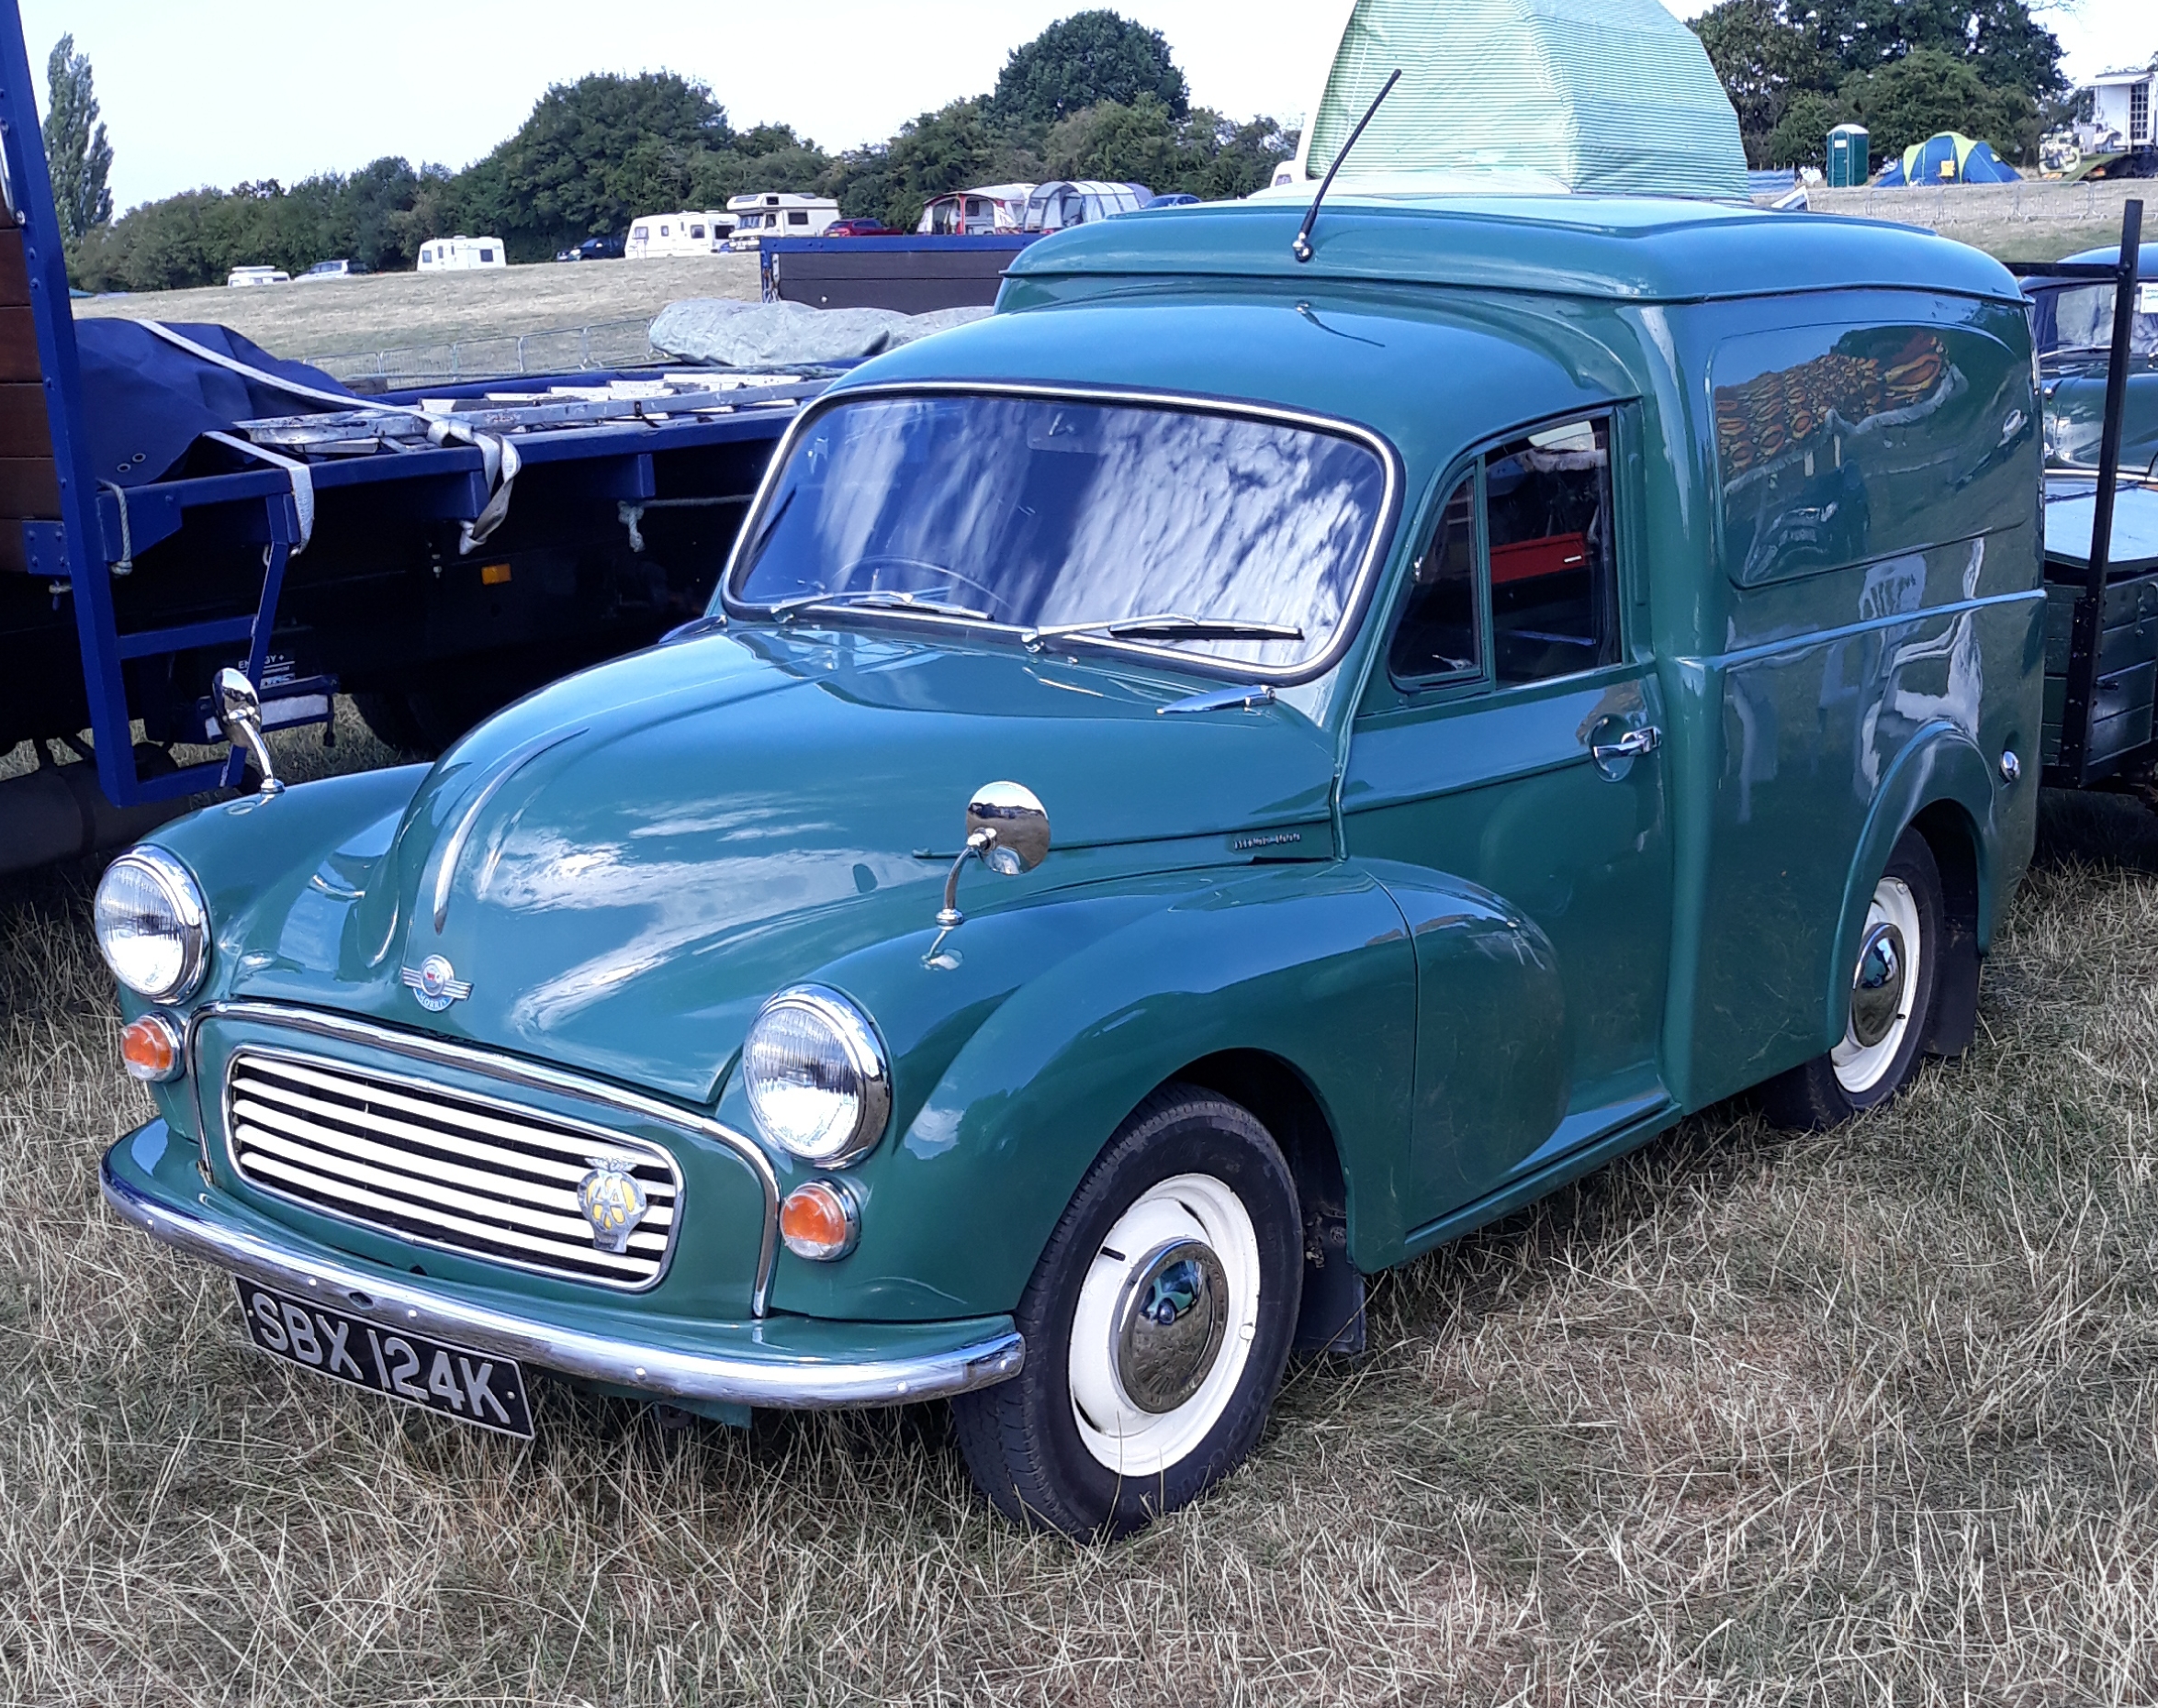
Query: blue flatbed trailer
(324, 553)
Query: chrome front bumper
(789, 1362)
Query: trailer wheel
(1891, 994)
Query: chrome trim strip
(395, 1301)
(1353, 608)
(509, 1071)
(454, 849)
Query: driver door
(1511, 761)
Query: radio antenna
(1301, 248)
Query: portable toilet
(1847, 157)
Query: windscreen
(2080, 318)
(1039, 513)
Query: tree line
(1093, 96)
(1904, 69)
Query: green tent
(1599, 96)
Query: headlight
(816, 1077)
(152, 924)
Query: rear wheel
(1891, 994)
(1157, 1324)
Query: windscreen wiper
(872, 599)
(1165, 625)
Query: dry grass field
(389, 310)
(420, 317)
(1868, 1416)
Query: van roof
(1633, 249)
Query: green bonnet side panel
(1866, 640)
(1305, 962)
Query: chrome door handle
(1630, 746)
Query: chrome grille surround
(453, 1170)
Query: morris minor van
(1198, 787)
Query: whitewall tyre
(1892, 987)
(1157, 1324)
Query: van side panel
(1868, 638)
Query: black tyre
(1157, 1324)
(1893, 987)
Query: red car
(860, 228)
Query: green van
(1201, 787)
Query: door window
(1549, 522)
(1437, 637)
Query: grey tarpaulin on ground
(772, 334)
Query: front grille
(490, 1179)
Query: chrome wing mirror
(239, 715)
(1007, 831)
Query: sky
(220, 91)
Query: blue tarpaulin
(145, 401)
(1946, 158)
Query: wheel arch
(1331, 1316)
(1940, 786)
(1289, 988)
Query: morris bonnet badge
(613, 1201)
(435, 984)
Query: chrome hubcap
(1877, 988)
(1170, 1327)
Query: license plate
(481, 1389)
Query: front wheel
(1157, 1324)
(1891, 993)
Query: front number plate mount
(484, 1390)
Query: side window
(1548, 523)
(1437, 636)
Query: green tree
(594, 155)
(1927, 91)
(1089, 58)
(1801, 136)
(1764, 58)
(77, 154)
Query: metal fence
(2033, 200)
(609, 344)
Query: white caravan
(461, 253)
(257, 275)
(652, 236)
(773, 215)
(985, 212)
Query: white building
(2123, 104)
(461, 253)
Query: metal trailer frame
(2073, 768)
(600, 452)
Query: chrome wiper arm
(872, 599)
(1165, 625)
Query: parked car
(2073, 320)
(861, 228)
(595, 248)
(333, 270)
(1411, 727)
(240, 277)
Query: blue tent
(1947, 157)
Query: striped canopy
(1601, 97)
